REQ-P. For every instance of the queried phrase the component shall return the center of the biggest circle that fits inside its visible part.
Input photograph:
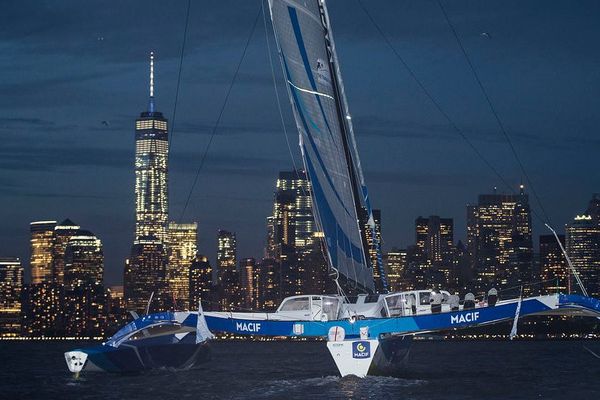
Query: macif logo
(361, 350)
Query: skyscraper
(373, 239)
(182, 246)
(45, 297)
(583, 246)
(42, 241)
(11, 285)
(84, 289)
(554, 273)
(500, 241)
(432, 258)
(201, 283)
(293, 239)
(229, 278)
(396, 263)
(151, 179)
(145, 271)
(247, 284)
(63, 232)
(266, 284)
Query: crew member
(436, 302)
(469, 301)
(492, 297)
(454, 302)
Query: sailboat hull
(391, 355)
(145, 354)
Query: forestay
(316, 93)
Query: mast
(344, 118)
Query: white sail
(316, 92)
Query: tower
(151, 169)
(182, 246)
(145, 271)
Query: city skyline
(91, 178)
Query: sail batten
(322, 118)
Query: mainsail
(327, 143)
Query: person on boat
(469, 301)
(436, 302)
(412, 303)
(454, 302)
(492, 297)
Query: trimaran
(372, 332)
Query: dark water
(283, 370)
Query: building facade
(151, 170)
(42, 242)
(145, 273)
(85, 299)
(182, 246)
(201, 283)
(554, 273)
(583, 246)
(11, 287)
(500, 242)
(228, 275)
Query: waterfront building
(115, 312)
(554, 273)
(145, 272)
(266, 284)
(373, 239)
(583, 246)
(292, 237)
(228, 275)
(396, 262)
(500, 241)
(42, 242)
(43, 314)
(63, 232)
(182, 246)
(201, 283)
(84, 289)
(247, 286)
(151, 170)
(431, 261)
(11, 286)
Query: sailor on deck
(492, 297)
(469, 301)
(436, 301)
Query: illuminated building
(500, 241)
(266, 285)
(396, 264)
(201, 283)
(11, 286)
(229, 279)
(151, 173)
(554, 272)
(145, 273)
(44, 303)
(84, 289)
(182, 246)
(63, 232)
(293, 239)
(373, 245)
(115, 309)
(42, 240)
(583, 247)
(432, 259)
(247, 285)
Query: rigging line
(493, 109)
(216, 125)
(432, 99)
(185, 30)
(285, 132)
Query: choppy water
(283, 370)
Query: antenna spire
(151, 103)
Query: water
(277, 370)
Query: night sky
(65, 67)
